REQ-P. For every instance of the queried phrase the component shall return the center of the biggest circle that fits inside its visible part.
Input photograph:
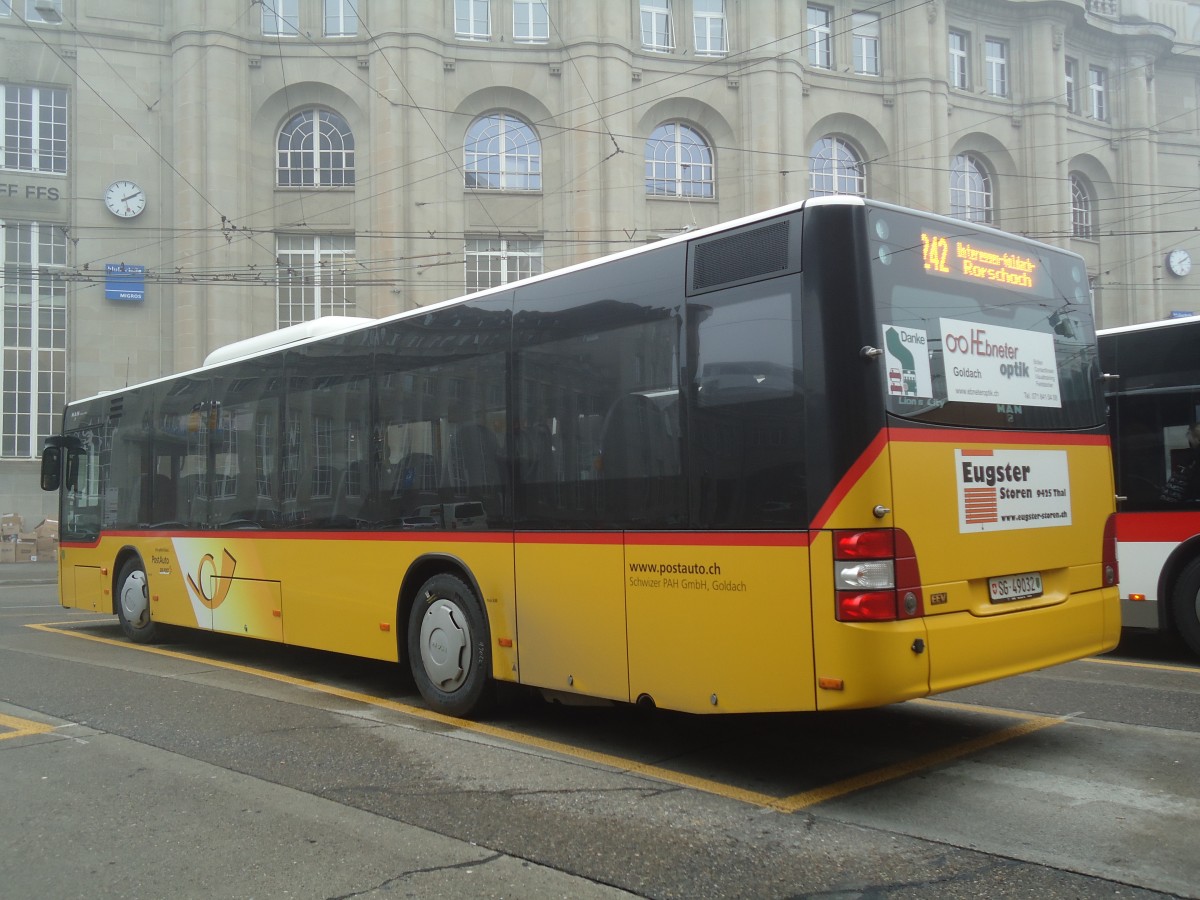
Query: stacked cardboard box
(18, 545)
(10, 536)
(46, 539)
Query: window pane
(959, 68)
(502, 153)
(656, 25)
(341, 18)
(32, 259)
(996, 66)
(1081, 208)
(835, 168)
(1071, 94)
(440, 453)
(865, 40)
(315, 148)
(970, 190)
(35, 128)
(746, 410)
(679, 163)
(33, 14)
(531, 21)
(281, 17)
(495, 261)
(1098, 86)
(472, 19)
(820, 38)
(709, 22)
(315, 276)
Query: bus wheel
(1185, 605)
(133, 605)
(448, 647)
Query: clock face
(1179, 262)
(125, 199)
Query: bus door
(83, 585)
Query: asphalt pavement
(29, 572)
(143, 820)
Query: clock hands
(125, 198)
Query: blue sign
(122, 282)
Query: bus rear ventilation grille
(744, 256)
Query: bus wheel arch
(1185, 604)
(131, 599)
(1180, 559)
(446, 637)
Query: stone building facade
(176, 175)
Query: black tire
(1185, 605)
(449, 649)
(133, 605)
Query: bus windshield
(980, 329)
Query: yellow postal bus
(835, 455)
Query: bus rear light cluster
(1112, 574)
(876, 576)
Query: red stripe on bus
(457, 537)
(607, 538)
(963, 436)
(1159, 527)
(864, 462)
(718, 538)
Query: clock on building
(125, 199)
(1179, 262)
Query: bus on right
(1153, 393)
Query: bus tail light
(1112, 574)
(876, 576)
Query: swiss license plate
(1015, 587)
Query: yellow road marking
(908, 767)
(1029, 724)
(1161, 667)
(21, 727)
(997, 711)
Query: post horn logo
(207, 575)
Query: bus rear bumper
(965, 649)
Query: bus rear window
(980, 330)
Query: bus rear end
(971, 536)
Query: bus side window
(156, 500)
(1183, 484)
(1157, 465)
(639, 458)
(746, 431)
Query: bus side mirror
(51, 468)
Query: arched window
(971, 190)
(1082, 223)
(679, 162)
(315, 148)
(835, 168)
(501, 153)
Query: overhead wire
(560, 129)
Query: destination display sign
(971, 259)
